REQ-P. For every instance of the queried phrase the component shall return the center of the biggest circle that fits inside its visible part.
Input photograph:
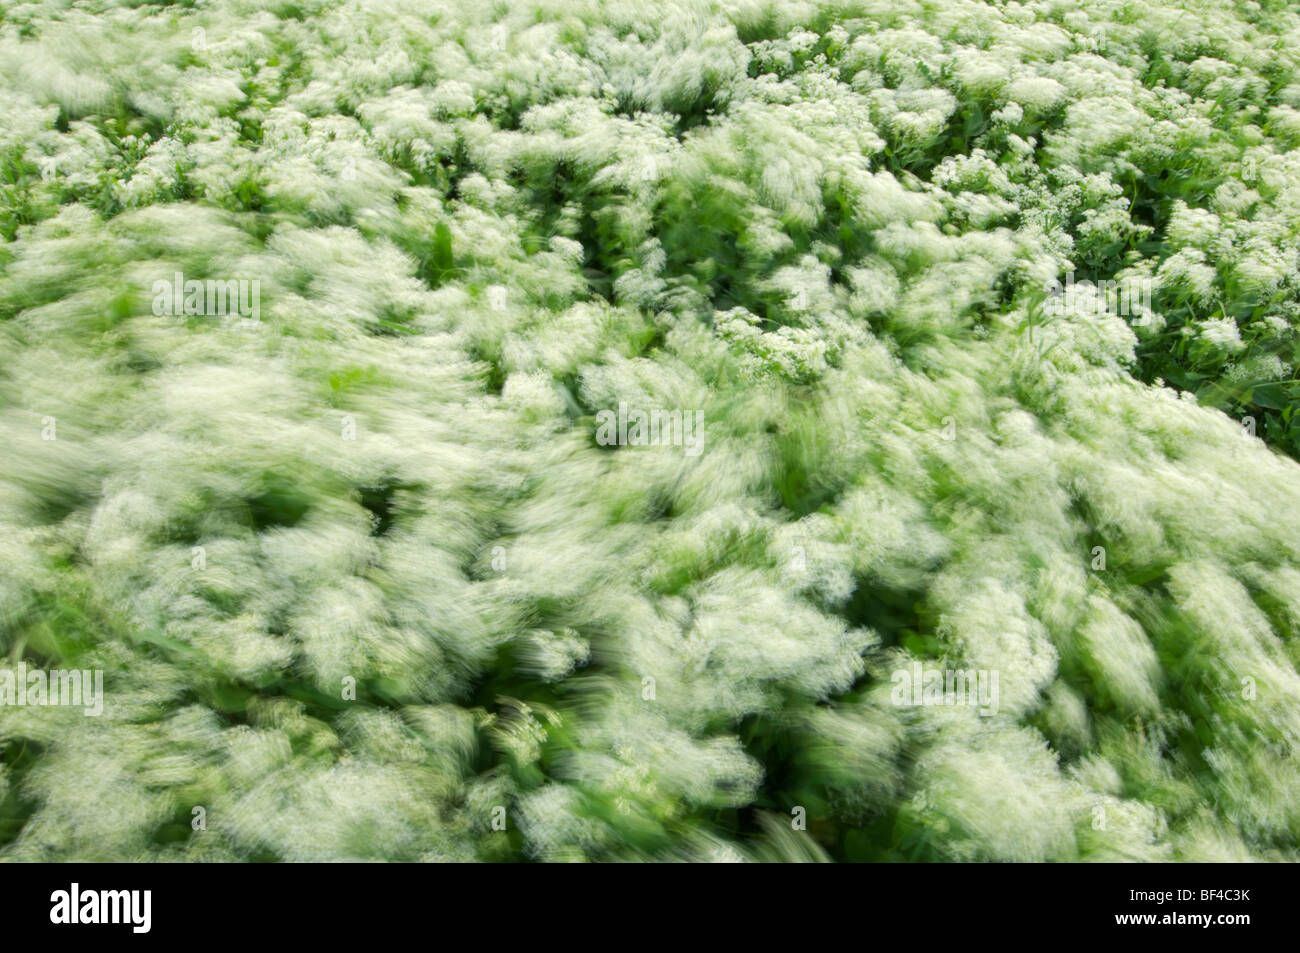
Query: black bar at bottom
(337, 904)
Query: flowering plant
(549, 435)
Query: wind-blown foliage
(830, 226)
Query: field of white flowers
(560, 430)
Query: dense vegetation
(365, 584)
